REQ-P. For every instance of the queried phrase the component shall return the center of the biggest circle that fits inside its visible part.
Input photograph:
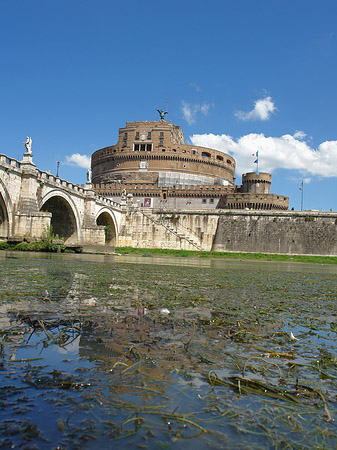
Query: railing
(9, 161)
(167, 225)
(54, 180)
(107, 200)
(185, 229)
(50, 178)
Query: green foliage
(45, 244)
(229, 255)
(48, 235)
(23, 246)
(107, 232)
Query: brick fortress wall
(288, 232)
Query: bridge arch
(6, 211)
(106, 218)
(65, 217)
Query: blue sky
(241, 76)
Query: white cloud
(190, 111)
(300, 135)
(299, 180)
(263, 108)
(285, 152)
(78, 160)
(204, 108)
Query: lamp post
(301, 189)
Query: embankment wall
(288, 232)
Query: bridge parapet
(82, 190)
(59, 182)
(32, 199)
(107, 201)
(5, 160)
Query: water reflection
(166, 352)
(216, 263)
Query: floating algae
(219, 371)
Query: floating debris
(292, 337)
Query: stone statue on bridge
(28, 144)
(88, 176)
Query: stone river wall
(289, 232)
(306, 232)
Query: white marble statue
(88, 176)
(28, 144)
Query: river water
(166, 353)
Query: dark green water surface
(166, 353)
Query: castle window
(161, 139)
(229, 161)
(142, 147)
(204, 200)
(220, 158)
(207, 155)
(125, 138)
(211, 200)
(149, 135)
(194, 152)
(137, 135)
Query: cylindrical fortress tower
(152, 163)
(256, 183)
(156, 153)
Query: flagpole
(256, 161)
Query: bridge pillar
(92, 234)
(29, 221)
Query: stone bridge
(31, 200)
